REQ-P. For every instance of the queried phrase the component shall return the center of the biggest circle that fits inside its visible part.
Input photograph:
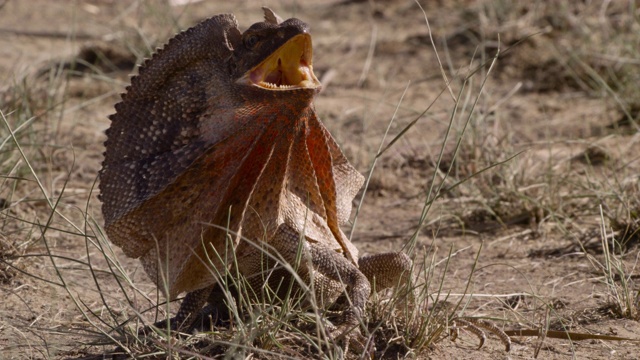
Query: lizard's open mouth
(288, 68)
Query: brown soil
(534, 223)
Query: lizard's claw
(349, 335)
(360, 344)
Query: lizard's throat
(288, 68)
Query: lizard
(215, 156)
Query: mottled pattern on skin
(199, 166)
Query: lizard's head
(275, 56)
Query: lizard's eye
(251, 40)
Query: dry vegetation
(510, 172)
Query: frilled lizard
(215, 157)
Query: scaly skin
(207, 166)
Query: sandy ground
(375, 60)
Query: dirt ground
(551, 148)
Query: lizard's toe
(349, 336)
(360, 344)
(210, 317)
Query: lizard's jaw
(288, 68)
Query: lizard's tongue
(289, 67)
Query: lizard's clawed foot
(159, 326)
(475, 326)
(359, 344)
(173, 324)
(207, 318)
(348, 334)
(210, 317)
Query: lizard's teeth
(275, 86)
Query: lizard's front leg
(345, 276)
